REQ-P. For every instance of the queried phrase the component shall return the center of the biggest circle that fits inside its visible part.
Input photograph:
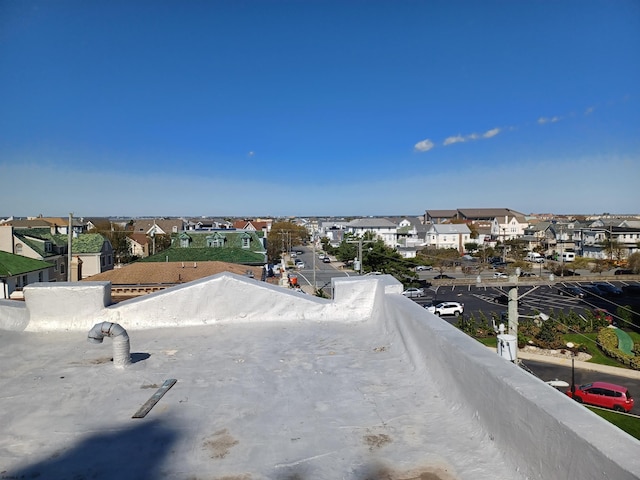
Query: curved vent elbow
(121, 349)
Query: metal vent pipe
(121, 355)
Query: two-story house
(378, 228)
(17, 271)
(448, 235)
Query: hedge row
(608, 341)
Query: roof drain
(121, 356)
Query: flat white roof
(395, 394)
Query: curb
(566, 362)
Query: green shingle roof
(12, 265)
(231, 255)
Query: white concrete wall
(220, 298)
(545, 433)
(540, 430)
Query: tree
(378, 257)
(117, 236)
(283, 236)
(633, 262)
(614, 249)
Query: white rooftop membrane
(276, 384)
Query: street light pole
(570, 345)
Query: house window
(184, 242)
(245, 242)
(62, 268)
(103, 261)
(40, 276)
(18, 249)
(48, 247)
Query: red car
(603, 394)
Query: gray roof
(371, 223)
(449, 228)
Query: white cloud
(251, 154)
(543, 120)
(471, 137)
(424, 145)
(589, 111)
(452, 140)
(491, 133)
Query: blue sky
(305, 108)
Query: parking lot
(492, 298)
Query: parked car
(326, 259)
(528, 274)
(570, 290)
(500, 275)
(442, 277)
(447, 308)
(623, 271)
(503, 299)
(592, 290)
(423, 268)
(608, 289)
(299, 263)
(568, 273)
(634, 288)
(413, 292)
(497, 265)
(603, 394)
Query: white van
(567, 257)
(534, 257)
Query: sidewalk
(593, 367)
(566, 362)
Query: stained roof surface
(276, 400)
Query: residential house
(94, 254)
(234, 246)
(37, 244)
(448, 235)
(91, 251)
(17, 271)
(379, 228)
(411, 235)
(595, 240)
(203, 223)
(508, 226)
(138, 245)
(160, 226)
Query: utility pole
(69, 234)
(561, 253)
(359, 242)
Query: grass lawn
(630, 425)
(587, 340)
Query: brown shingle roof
(141, 273)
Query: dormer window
(216, 240)
(185, 240)
(246, 240)
(48, 247)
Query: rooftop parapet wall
(13, 315)
(65, 305)
(542, 431)
(220, 298)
